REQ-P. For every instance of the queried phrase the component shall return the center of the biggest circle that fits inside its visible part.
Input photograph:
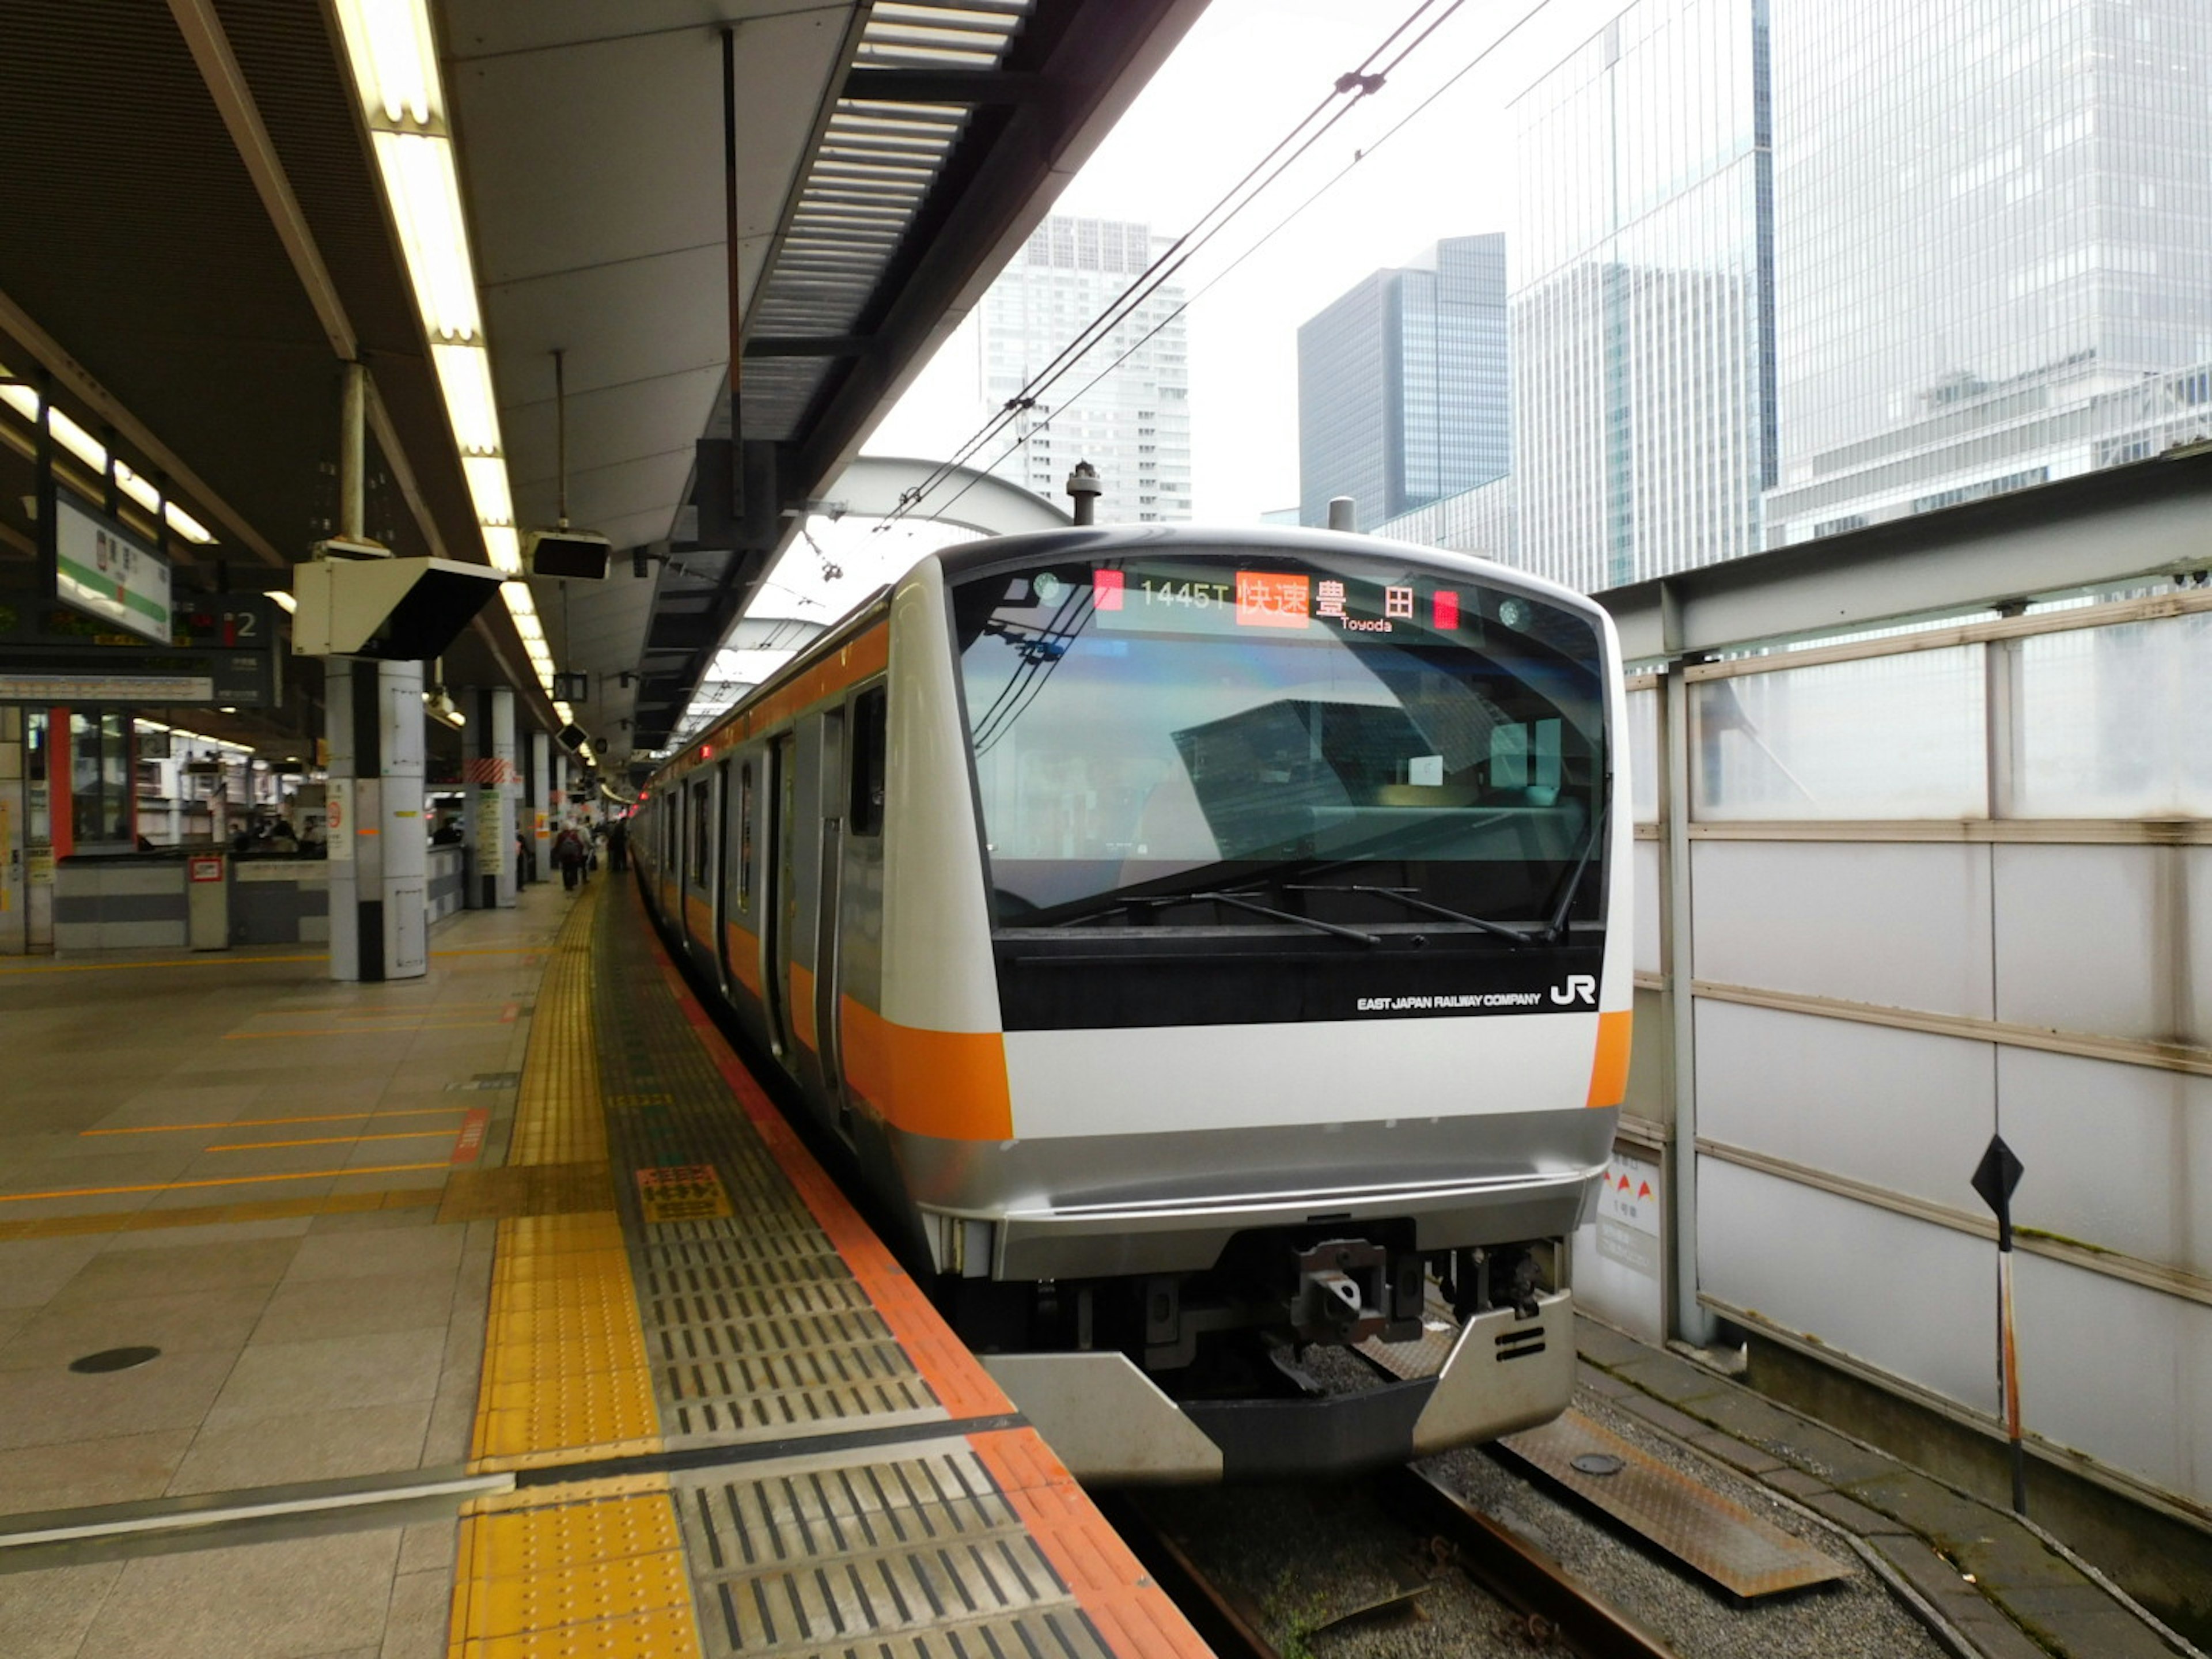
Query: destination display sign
(220, 651)
(105, 571)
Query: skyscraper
(1641, 311)
(1993, 247)
(1402, 385)
(1134, 425)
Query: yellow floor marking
(499, 951)
(227, 1181)
(332, 1140)
(340, 1031)
(594, 1569)
(553, 1388)
(267, 1123)
(208, 1215)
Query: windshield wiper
(1413, 903)
(1234, 900)
(1581, 864)
(1237, 900)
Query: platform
(499, 1313)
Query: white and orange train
(1210, 945)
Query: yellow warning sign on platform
(683, 1192)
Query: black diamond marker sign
(1996, 1178)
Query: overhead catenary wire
(1359, 83)
(1327, 184)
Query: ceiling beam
(795, 346)
(17, 324)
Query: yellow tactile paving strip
(558, 1118)
(591, 1570)
(579, 1570)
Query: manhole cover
(1598, 1463)
(114, 1359)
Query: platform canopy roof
(200, 238)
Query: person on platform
(568, 854)
(619, 846)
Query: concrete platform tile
(413, 1250)
(1660, 1415)
(1850, 1516)
(1842, 1461)
(124, 1468)
(1673, 1380)
(45, 1615)
(416, 1624)
(1934, 1511)
(282, 1379)
(374, 1221)
(76, 1323)
(155, 1238)
(453, 1422)
(1795, 1482)
(1990, 1634)
(269, 1451)
(1602, 1344)
(33, 1269)
(184, 1266)
(2096, 1628)
(1588, 1376)
(430, 1547)
(288, 1600)
(1750, 1459)
(57, 1407)
(309, 1311)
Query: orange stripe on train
(802, 1005)
(951, 1084)
(1610, 1066)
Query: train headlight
(1514, 613)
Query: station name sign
(103, 570)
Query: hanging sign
(102, 570)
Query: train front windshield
(1275, 728)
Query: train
(1212, 950)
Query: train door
(779, 900)
(829, 908)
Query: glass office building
(1993, 247)
(1402, 385)
(1130, 419)
(1641, 310)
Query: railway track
(1554, 1606)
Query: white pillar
(379, 843)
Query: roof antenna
(561, 436)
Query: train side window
(701, 796)
(745, 837)
(865, 817)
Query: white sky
(1243, 77)
(1239, 80)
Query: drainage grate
(488, 1080)
(912, 1557)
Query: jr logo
(1579, 988)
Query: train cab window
(865, 815)
(745, 837)
(1312, 732)
(696, 847)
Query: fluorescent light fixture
(426, 204)
(90, 450)
(567, 714)
(504, 548)
(286, 600)
(465, 376)
(395, 61)
(486, 476)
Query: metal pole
(1996, 1178)
(736, 299)
(353, 453)
(561, 438)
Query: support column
(379, 847)
(540, 804)
(488, 773)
